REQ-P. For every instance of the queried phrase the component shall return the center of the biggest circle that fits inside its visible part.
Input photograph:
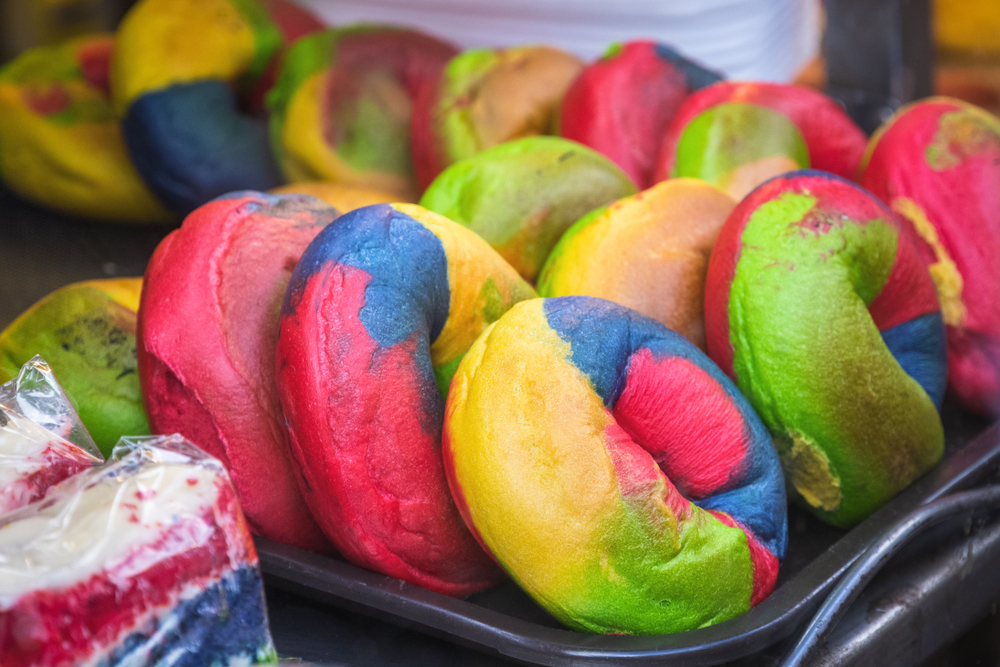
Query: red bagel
(207, 330)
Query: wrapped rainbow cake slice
(42, 440)
(146, 560)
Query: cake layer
(42, 440)
(146, 556)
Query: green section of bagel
(521, 196)
(851, 426)
(458, 130)
(88, 339)
(728, 136)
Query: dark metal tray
(504, 621)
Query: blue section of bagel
(191, 144)
(603, 337)
(919, 347)
(409, 289)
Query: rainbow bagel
(736, 147)
(613, 470)
(173, 72)
(378, 314)
(341, 108)
(485, 97)
(207, 330)
(621, 104)
(60, 143)
(937, 164)
(835, 143)
(86, 332)
(820, 307)
(523, 195)
(648, 252)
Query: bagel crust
(207, 328)
(937, 164)
(613, 470)
(820, 307)
(835, 143)
(625, 98)
(378, 314)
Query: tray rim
(467, 623)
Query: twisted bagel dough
(613, 470)
(378, 314)
(820, 308)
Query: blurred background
(873, 55)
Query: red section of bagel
(621, 105)
(907, 294)
(427, 159)
(835, 143)
(94, 58)
(719, 280)
(939, 159)
(638, 474)
(685, 420)
(207, 328)
(380, 506)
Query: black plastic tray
(504, 621)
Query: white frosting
(112, 524)
(26, 448)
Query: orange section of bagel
(648, 252)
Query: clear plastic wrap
(146, 560)
(42, 440)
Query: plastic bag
(146, 560)
(42, 440)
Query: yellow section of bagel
(165, 42)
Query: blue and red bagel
(820, 306)
(613, 470)
(379, 311)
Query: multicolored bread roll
(936, 163)
(208, 327)
(144, 561)
(86, 333)
(737, 146)
(834, 142)
(523, 195)
(341, 108)
(36, 424)
(648, 252)
(820, 307)
(621, 104)
(613, 471)
(378, 314)
(60, 142)
(485, 97)
(174, 75)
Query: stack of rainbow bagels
(583, 326)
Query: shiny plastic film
(145, 560)
(42, 441)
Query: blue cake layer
(224, 623)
